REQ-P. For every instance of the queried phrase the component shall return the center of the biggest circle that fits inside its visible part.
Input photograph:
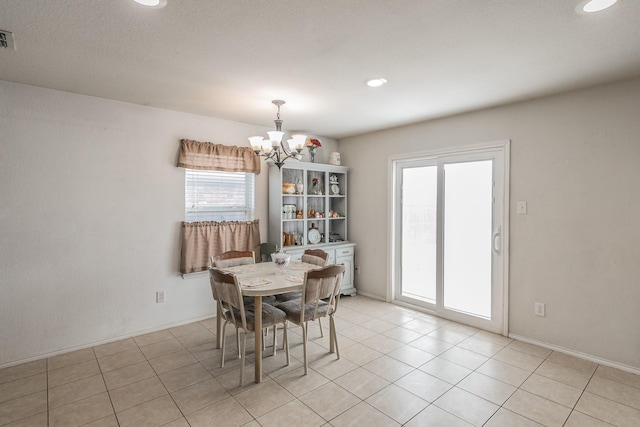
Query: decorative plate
(314, 236)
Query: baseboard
(579, 355)
(107, 341)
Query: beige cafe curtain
(200, 240)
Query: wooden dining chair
(266, 249)
(232, 259)
(310, 256)
(315, 256)
(226, 289)
(319, 298)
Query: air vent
(6, 40)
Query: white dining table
(262, 279)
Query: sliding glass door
(449, 211)
(466, 242)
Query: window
(219, 196)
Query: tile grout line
(160, 379)
(519, 388)
(581, 394)
(115, 415)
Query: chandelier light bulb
(297, 142)
(256, 143)
(275, 137)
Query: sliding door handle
(496, 242)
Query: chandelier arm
(279, 156)
(286, 149)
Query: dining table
(264, 279)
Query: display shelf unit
(301, 199)
(308, 209)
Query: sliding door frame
(393, 239)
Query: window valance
(209, 156)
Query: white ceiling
(230, 58)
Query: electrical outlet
(159, 296)
(6, 40)
(539, 309)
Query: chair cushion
(289, 296)
(293, 310)
(270, 316)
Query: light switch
(522, 207)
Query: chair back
(316, 257)
(226, 290)
(322, 284)
(266, 249)
(233, 258)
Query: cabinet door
(295, 255)
(347, 260)
(332, 255)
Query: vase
(312, 156)
(281, 260)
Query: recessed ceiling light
(590, 6)
(375, 82)
(152, 3)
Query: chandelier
(274, 148)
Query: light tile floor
(397, 367)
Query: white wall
(575, 158)
(90, 209)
